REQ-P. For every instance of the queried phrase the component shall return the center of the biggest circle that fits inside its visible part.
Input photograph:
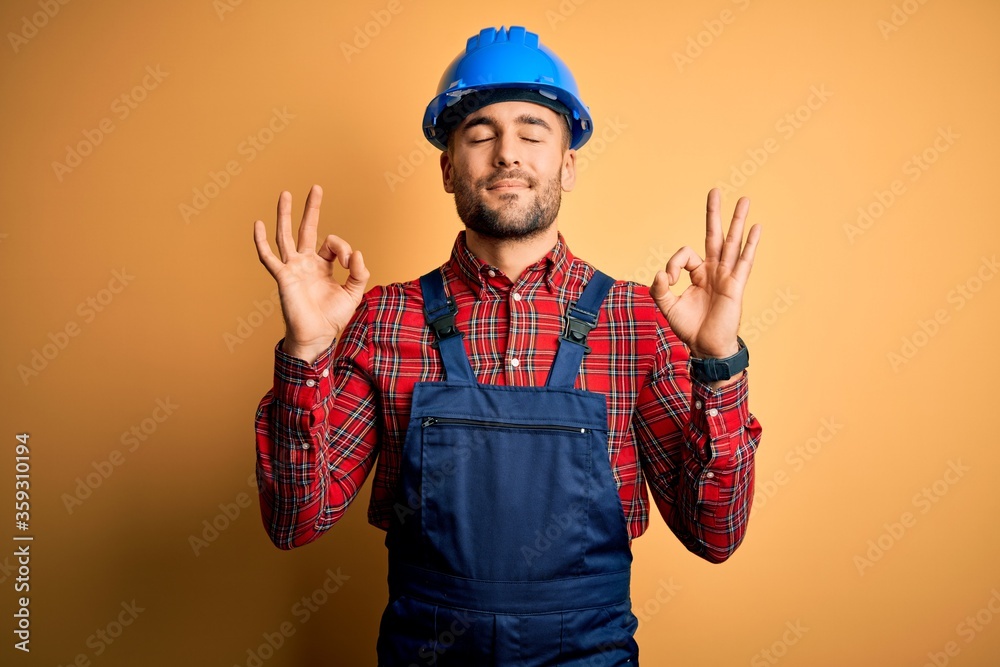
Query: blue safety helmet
(503, 65)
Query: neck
(512, 256)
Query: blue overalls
(509, 544)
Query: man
(517, 400)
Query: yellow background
(832, 303)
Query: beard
(512, 219)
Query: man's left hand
(706, 316)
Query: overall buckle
(578, 327)
(444, 325)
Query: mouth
(507, 185)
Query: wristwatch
(712, 369)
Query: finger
(310, 220)
(713, 225)
(334, 247)
(685, 258)
(264, 253)
(734, 240)
(357, 279)
(661, 293)
(283, 234)
(742, 270)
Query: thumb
(357, 279)
(661, 293)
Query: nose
(507, 148)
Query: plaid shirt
(322, 427)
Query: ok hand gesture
(316, 307)
(706, 316)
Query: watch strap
(712, 369)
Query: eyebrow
(523, 119)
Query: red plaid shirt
(323, 427)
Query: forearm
(307, 473)
(715, 489)
(293, 486)
(698, 449)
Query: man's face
(507, 165)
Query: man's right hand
(315, 306)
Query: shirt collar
(550, 270)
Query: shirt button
(326, 372)
(305, 445)
(709, 475)
(713, 413)
(517, 297)
(492, 273)
(310, 383)
(697, 405)
(515, 362)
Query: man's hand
(706, 316)
(315, 306)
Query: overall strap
(581, 317)
(440, 309)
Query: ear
(447, 173)
(569, 170)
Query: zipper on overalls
(432, 421)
